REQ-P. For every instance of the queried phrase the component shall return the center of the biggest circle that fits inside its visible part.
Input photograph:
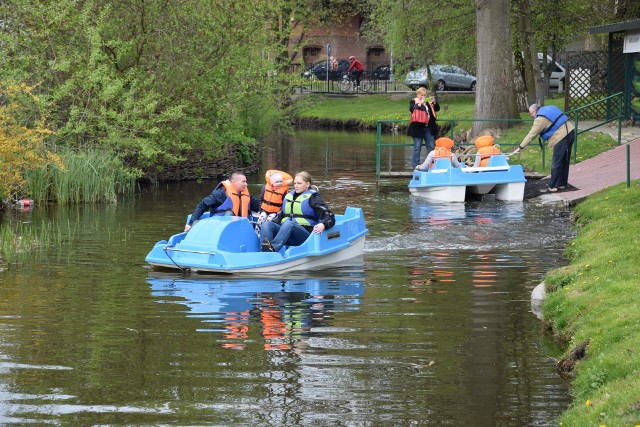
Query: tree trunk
(533, 77)
(495, 93)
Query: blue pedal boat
(445, 183)
(229, 244)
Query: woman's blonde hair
(421, 90)
(306, 176)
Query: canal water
(433, 328)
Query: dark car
(319, 70)
(382, 72)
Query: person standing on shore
(554, 127)
(423, 129)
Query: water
(436, 330)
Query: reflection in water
(285, 310)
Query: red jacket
(357, 65)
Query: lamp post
(328, 64)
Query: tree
(495, 94)
(151, 79)
(526, 56)
(421, 33)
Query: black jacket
(417, 129)
(320, 209)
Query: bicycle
(348, 84)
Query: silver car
(442, 77)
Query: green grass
(368, 109)
(92, 176)
(595, 300)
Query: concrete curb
(551, 200)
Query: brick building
(310, 46)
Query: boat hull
(444, 183)
(230, 245)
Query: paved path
(604, 170)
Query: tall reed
(93, 176)
(19, 240)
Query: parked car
(382, 72)
(442, 77)
(557, 71)
(319, 70)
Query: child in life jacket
(486, 149)
(442, 150)
(272, 194)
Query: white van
(557, 71)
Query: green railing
(576, 118)
(575, 114)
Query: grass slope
(594, 305)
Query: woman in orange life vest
(272, 194)
(442, 150)
(230, 197)
(486, 149)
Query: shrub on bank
(594, 306)
(23, 131)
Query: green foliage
(144, 80)
(23, 131)
(420, 33)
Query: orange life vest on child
(485, 147)
(442, 150)
(272, 197)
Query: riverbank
(592, 305)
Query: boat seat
(441, 166)
(498, 160)
(227, 233)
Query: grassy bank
(366, 110)
(593, 305)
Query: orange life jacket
(238, 203)
(485, 147)
(442, 150)
(272, 198)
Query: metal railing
(576, 114)
(331, 85)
